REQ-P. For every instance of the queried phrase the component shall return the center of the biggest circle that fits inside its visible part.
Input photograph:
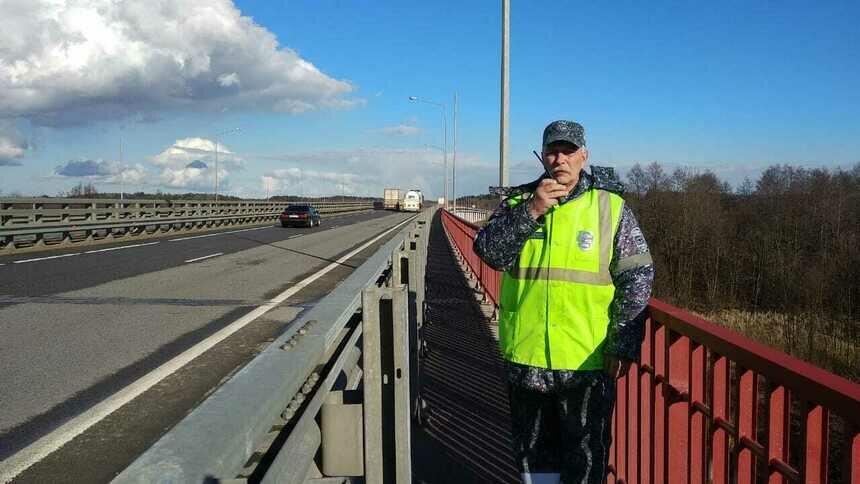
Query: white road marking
(204, 257)
(118, 248)
(38, 450)
(294, 236)
(220, 233)
(44, 258)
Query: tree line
(786, 245)
(789, 242)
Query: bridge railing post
(385, 317)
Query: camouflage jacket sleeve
(632, 273)
(500, 241)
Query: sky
(312, 98)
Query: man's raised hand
(546, 196)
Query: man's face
(565, 161)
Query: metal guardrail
(27, 223)
(472, 215)
(705, 404)
(462, 233)
(735, 410)
(350, 364)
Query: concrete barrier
(28, 224)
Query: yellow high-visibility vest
(554, 308)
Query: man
(577, 279)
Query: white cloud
(368, 171)
(12, 149)
(190, 164)
(187, 150)
(74, 62)
(400, 130)
(191, 178)
(312, 182)
(269, 184)
(131, 175)
(227, 80)
(297, 174)
(13, 146)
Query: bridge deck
(468, 436)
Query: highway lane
(44, 273)
(65, 351)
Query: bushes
(789, 248)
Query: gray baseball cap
(564, 131)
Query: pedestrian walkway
(468, 436)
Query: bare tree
(82, 191)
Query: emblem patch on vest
(584, 239)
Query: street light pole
(121, 179)
(454, 168)
(232, 130)
(444, 140)
(445, 147)
(505, 101)
(216, 171)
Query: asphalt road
(79, 325)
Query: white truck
(391, 199)
(413, 201)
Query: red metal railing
(707, 405)
(463, 233)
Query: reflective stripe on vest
(554, 306)
(602, 277)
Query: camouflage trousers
(564, 429)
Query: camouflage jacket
(499, 244)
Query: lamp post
(505, 101)
(454, 161)
(232, 130)
(121, 173)
(301, 185)
(441, 150)
(444, 140)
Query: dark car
(303, 215)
